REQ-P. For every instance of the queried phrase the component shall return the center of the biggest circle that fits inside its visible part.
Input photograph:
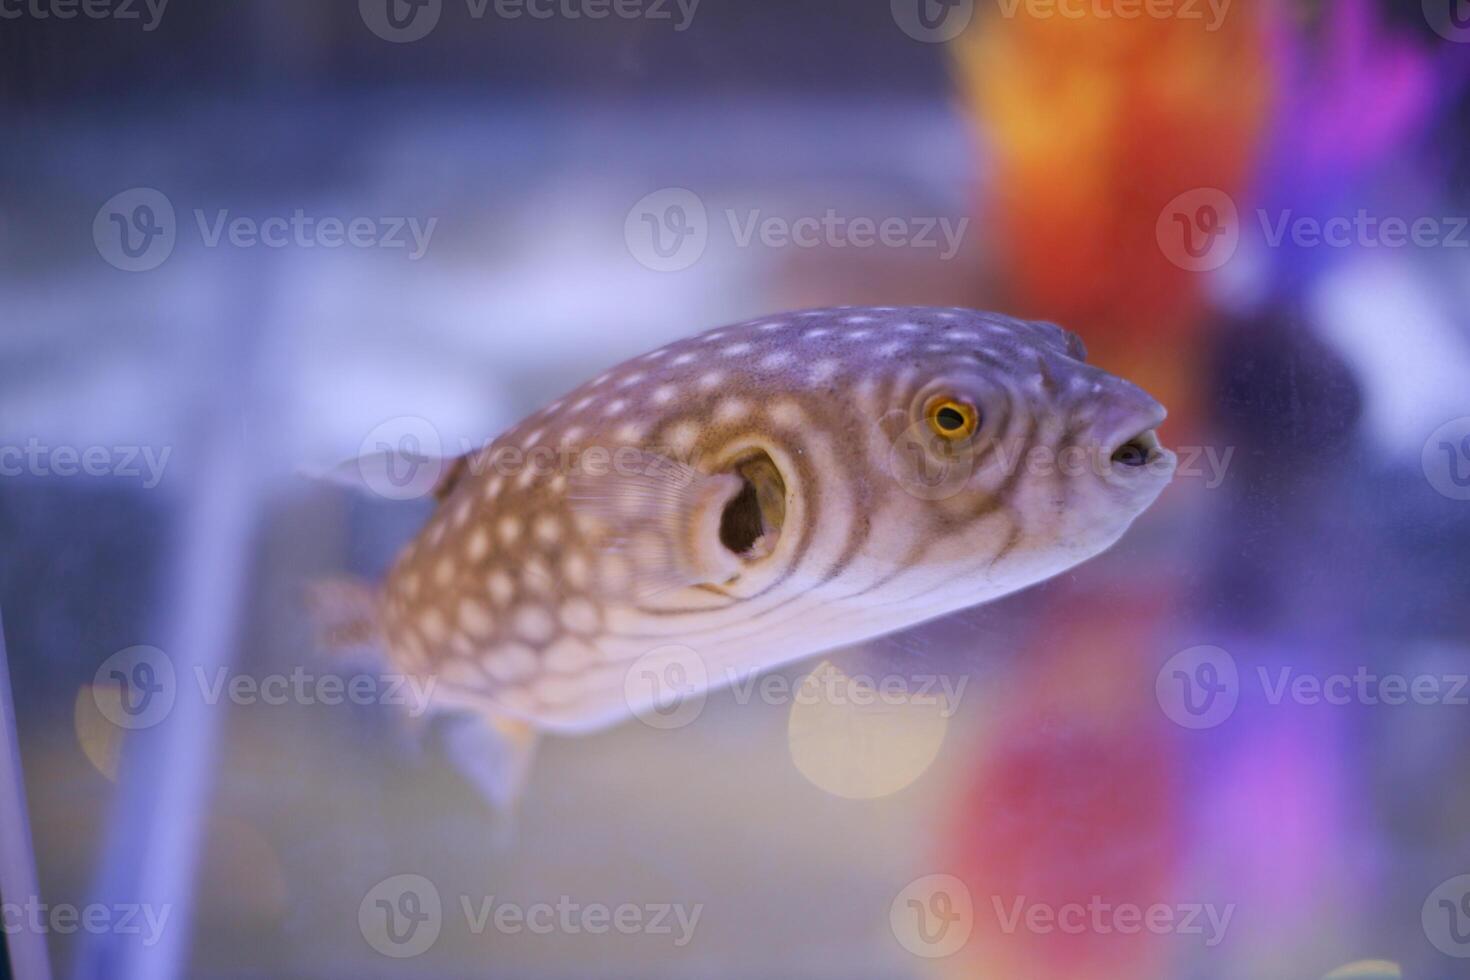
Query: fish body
(760, 493)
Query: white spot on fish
(735, 350)
(664, 394)
(779, 359)
(568, 656)
(502, 589)
(534, 624)
(509, 529)
(475, 618)
(615, 407)
(575, 570)
(711, 379)
(579, 615)
(444, 571)
(683, 436)
(814, 334)
(788, 414)
(547, 529)
(685, 359)
(731, 410)
(433, 626)
(822, 371)
(511, 663)
(478, 545)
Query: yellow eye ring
(951, 419)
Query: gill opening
(751, 522)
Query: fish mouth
(1135, 448)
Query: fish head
(1013, 448)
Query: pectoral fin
(661, 519)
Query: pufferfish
(751, 496)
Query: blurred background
(242, 242)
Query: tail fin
(345, 612)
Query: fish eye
(952, 419)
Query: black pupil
(950, 420)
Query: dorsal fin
(454, 471)
(396, 475)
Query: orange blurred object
(1090, 125)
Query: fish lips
(1131, 457)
